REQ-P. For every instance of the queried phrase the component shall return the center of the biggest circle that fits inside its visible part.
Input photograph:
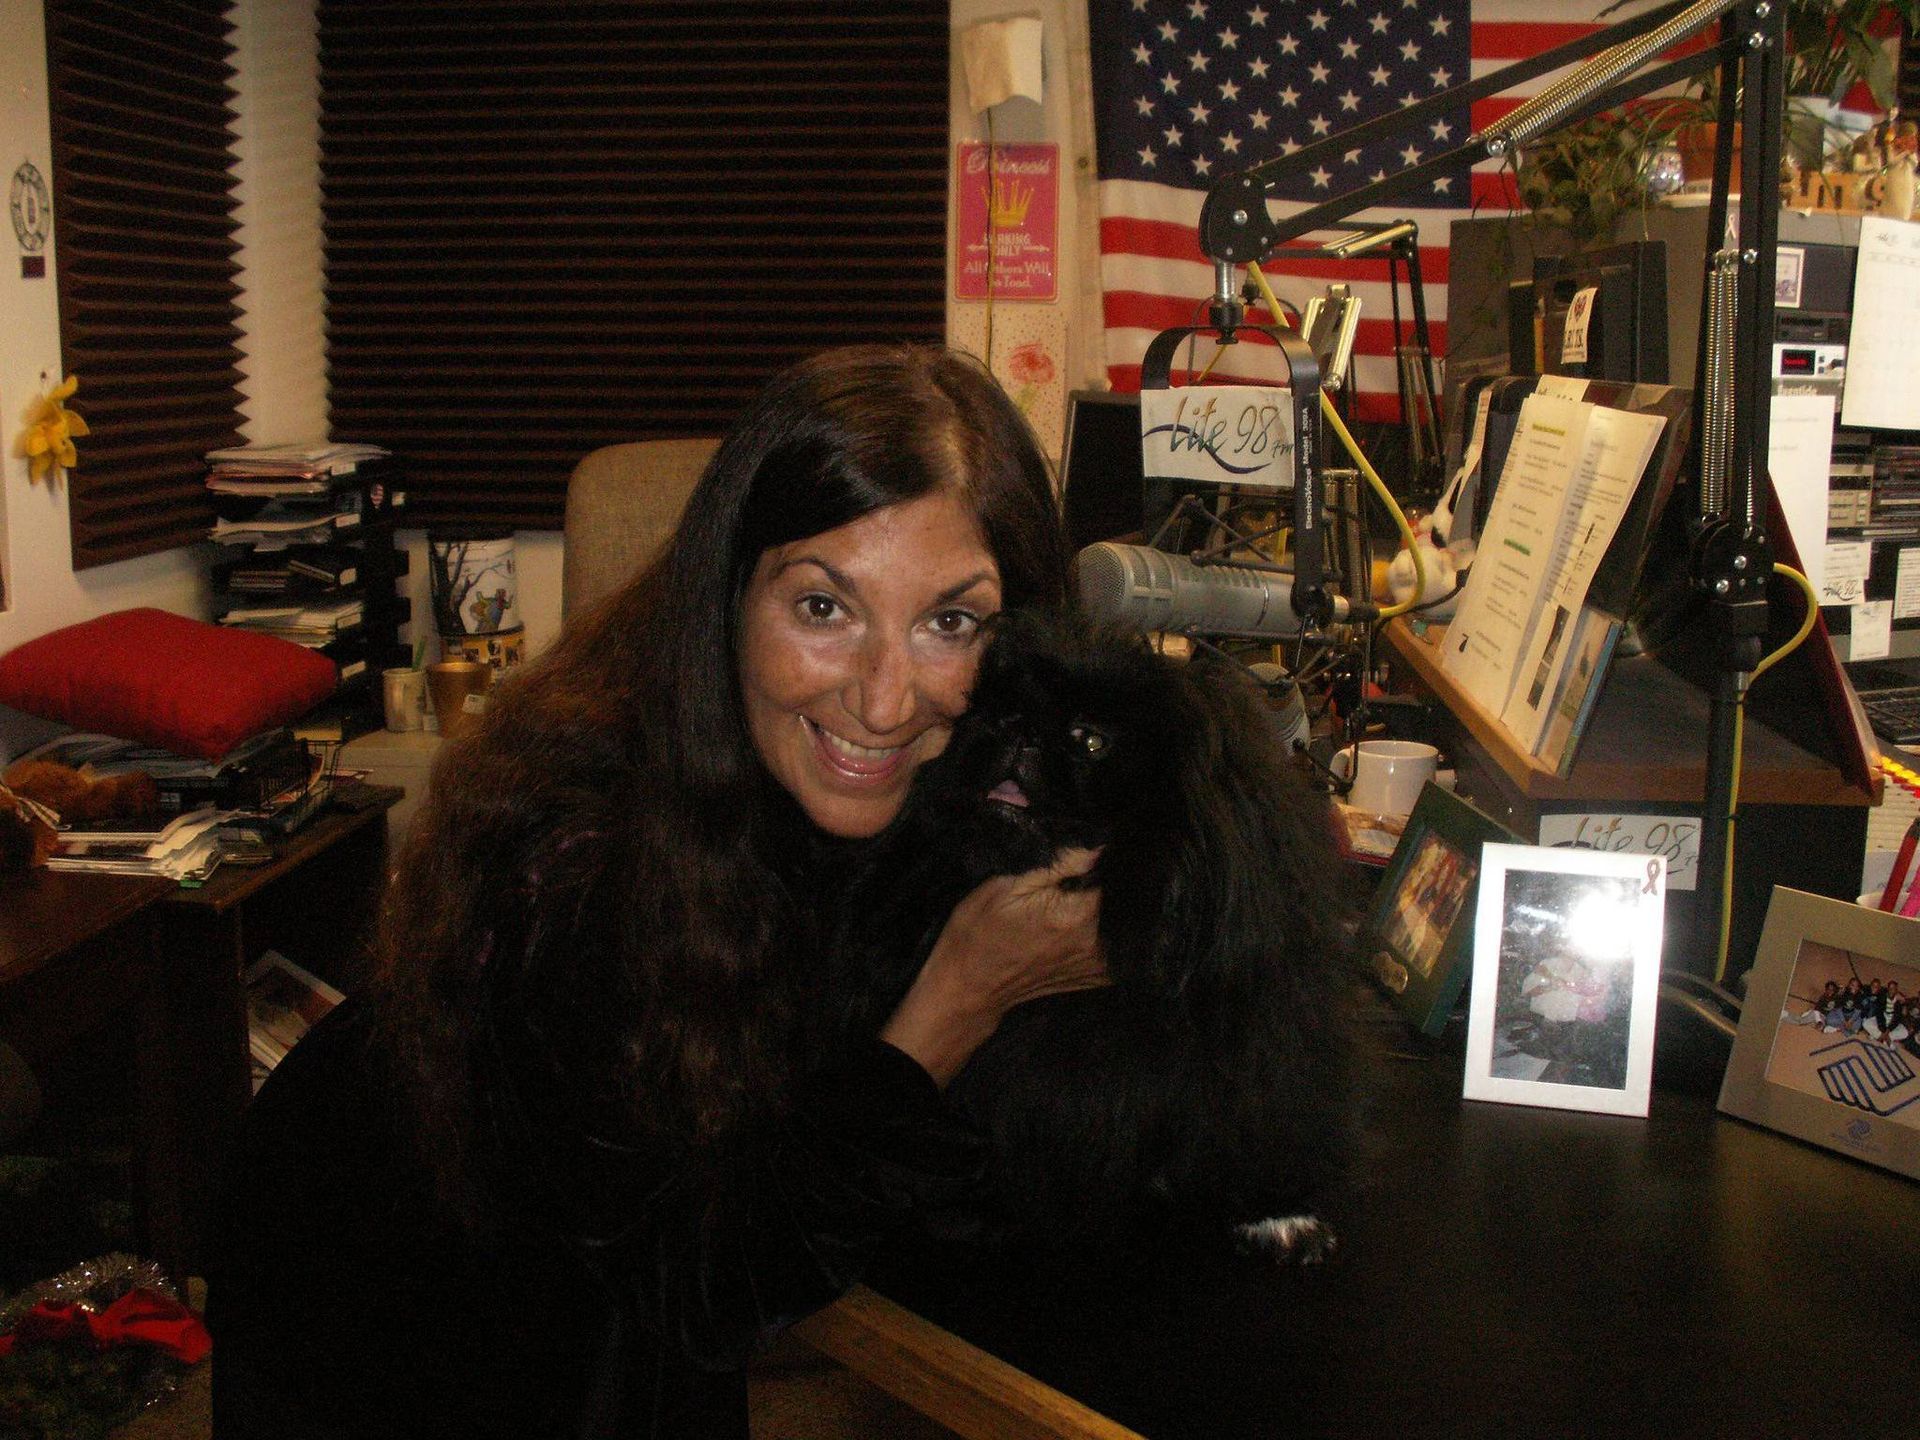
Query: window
(554, 227)
(138, 95)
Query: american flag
(1186, 91)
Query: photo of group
(1850, 1032)
(1566, 967)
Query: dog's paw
(1288, 1239)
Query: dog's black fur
(1207, 1085)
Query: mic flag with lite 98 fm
(1187, 91)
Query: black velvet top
(621, 1298)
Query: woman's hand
(1014, 939)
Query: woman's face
(857, 651)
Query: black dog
(1207, 1085)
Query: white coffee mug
(1388, 775)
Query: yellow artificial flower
(51, 431)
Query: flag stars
(1198, 9)
(1352, 157)
(1441, 130)
(1349, 49)
(1289, 44)
(1148, 159)
(1200, 113)
(1443, 186)
(1381, 76)
(1410, 51)
(1442, 78)
(1321, 125)
(1230, 144)
(1169, 31)
(1320, 176)
(1260, 119)
(1349, 101)
(1318, 73)
(1259, 68)
(1257, 17)
(1319, 19)
(1144, 106)
(1290, 98)
(1411, 155)
(1379, 23)
(1229, 40)
(1142, 55)
(1170, 84)
(1202, 166)
(1440, 24)
(1409, 99)
(1288, 147)
(1173, 136)
(1229, 92)
(1199, 61)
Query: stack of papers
(185, 848)
(310, 625)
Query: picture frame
(1415, 938)
(1566, 974)
(1845, 1082)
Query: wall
(283, 302)
(1070, 324)
(36, 554)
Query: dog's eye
(1088, 739)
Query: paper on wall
(1872, 636)
(1883, 363)
(1845, 581)
(1906, 584)
(1800, 458)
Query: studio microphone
(1153, 590)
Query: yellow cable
(1378, 485)
(1739, 739)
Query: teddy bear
(37, 797)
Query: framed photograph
(1416, 937)
(1566, 968)
(1828, 1049)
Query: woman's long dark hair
(598, 897)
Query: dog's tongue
(1008, 792)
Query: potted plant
(1583, 176)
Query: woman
(567, 1163)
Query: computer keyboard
(1894, 714)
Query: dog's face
(1065, 734)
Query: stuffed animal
(39, 796)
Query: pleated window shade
(554, 227)
(139, 99)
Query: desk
(315, 902)
(78, 952)
(1502, 1270)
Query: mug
(1388, 775)
(459, 694)
(404, 691)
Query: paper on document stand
(1570, 475)
(1883, 363)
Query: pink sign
(1020, 209)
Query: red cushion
(162, 679)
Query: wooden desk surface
(45, 913)
(1502, 1270)
(1646, 743)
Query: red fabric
(162, 679)
(139, 1317)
